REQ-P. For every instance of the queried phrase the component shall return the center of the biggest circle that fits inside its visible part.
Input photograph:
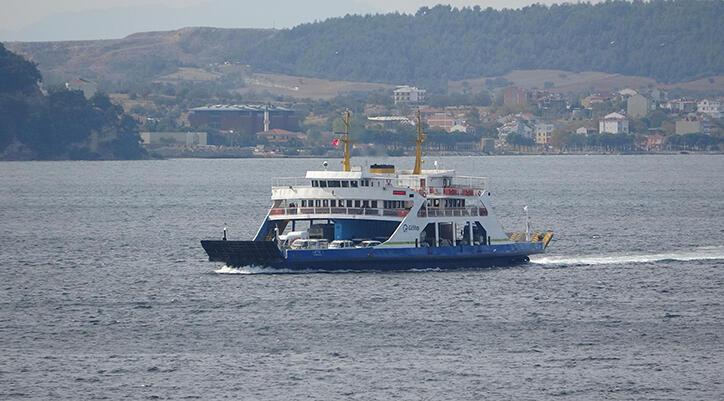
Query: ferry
(380, 218)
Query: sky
(40, 20)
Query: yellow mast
(347, 166)
(418, 147)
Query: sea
(106, 293)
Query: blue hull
(266, 254)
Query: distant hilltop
(665, 40)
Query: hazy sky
(88, 19)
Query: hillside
(140, 56)
(61, 124)
(666, 41)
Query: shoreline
(444, 154)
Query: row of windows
(373, 204)
(447, 202)
(342, 183)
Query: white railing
(453, 212)
(286, 182)
(359, 211)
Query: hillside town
(505, 120)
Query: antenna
(347, 166)
(418, 145)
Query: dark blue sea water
(105, 292)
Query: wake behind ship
(379, 218)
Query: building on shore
(174, 138)
(246, 118)
(712, 108)
(281, 136)
(543, 133)
(689, 125)
(515, 97)
(638, 106)
(613, 123)
(406, 94)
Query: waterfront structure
(281, 136)
(613, 123)
(247, 118)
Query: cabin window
(345, 184)
(316, 203)
(315, 183)
(335, 184)
(323, 184)
(357, 203)
(353, 184)
(304, 203)
(374, 204)
(325, 203)
(349, 203)
(365, 203)
(333, 203)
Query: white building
(709, 107)
(515, 127)
(585, 131)
(613, 123)
(175, 138)
(408, 94)
(543, 133)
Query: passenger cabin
(370, 205)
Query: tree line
(667, 40)
(59, 123)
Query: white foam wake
(705, 253)
(250, 270)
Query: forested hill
(60, 125)
(671, 41)
(667, 40)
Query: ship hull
(267, 254)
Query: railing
(280, 211)
(460, 186)
(291, 182)
(452, 212)
(472, 185)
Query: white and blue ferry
(379, 218)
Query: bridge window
(323, 184)
(365, 203)
(334, 184)
(374, 204)
(357, 203)
(345, 184)
(315, 183)
(353, 184)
